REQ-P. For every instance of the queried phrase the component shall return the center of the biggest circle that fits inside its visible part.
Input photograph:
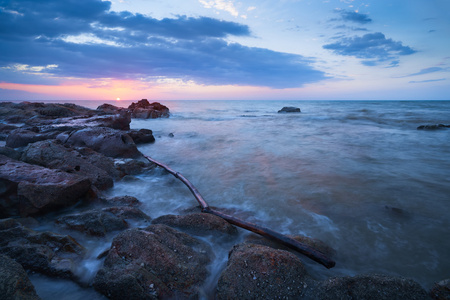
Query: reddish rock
(146, 110)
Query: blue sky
(224, 49)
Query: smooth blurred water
(356, 174)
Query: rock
(14, 281)
(22, 137)
(376, 287)
(433, 127)
(260, 272)
(145, 110)
(104, 140)
(52, 154)
(5, 130)
(142, 136)
(203, 224)
(313, 243)
(120, 121)
(99, 222)
(110, 109)
(122, 200)
(155, 263)
(441, 290)
(28, 189)
(289, 109)
(10, 152)
(127, 167)
(43, 252)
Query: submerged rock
(44, 252)
(289, 109)
(260, 272)
(27, 189)
(198, 224)
(99, 222)
(158, 262)
(14, 281)
(433, 127)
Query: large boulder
(27, 189)
(110, 109)
(142, 136)
(44, 252)
(146, 110)
(369, 287)
(14, 281)
(158, 262)
(54, 155)
(260, 272)
(99, 222)
(198, 224)
(110, 142)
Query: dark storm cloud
(130, 46)
(374, 48)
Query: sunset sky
(224, 49)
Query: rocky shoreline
(58, 156)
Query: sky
(225, 50)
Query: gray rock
(433, 127)
(289, 109)
(104, 140)
(43, 252)
(155, 263)
(22, 137)
(52, 154)
(142, 136)
(441, 290)
(14, 281)
(27, 189)
(260, 272)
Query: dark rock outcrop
(142, 136)
(104, 140)
(14, 281)
(99, 222)
(43, 252)
(289, 109)
(27, 189)
(260, 272)
(52, 154)
(146, 110)
(5, 130)
(155, 263)
(122, 201)
(22, 137)
(433, 127)
(441, 290)
(198, 224)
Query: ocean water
(357, 175)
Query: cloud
(429, 80)
(56, 39)
(353, 16)
(374, 48)
(225, 5)
(427, 71)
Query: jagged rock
(110, 109)
(158, 262)
(289, 109)
(45, 252)
(22, 137)
(260, 272)
(369, 287)
(99, 222)
(104, 140)
(198, 224)
(132, 166)
(142, 136)
(145, 110)
(27, 189)
(441, 290)
(52, 154)
(5, 130)
(14, 281)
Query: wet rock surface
(44, 252)
(289, 109)
(433, 127)
(441, 290)
(14, 281)
(146, 110)
(154, 263)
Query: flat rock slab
(29, 189)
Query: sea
(357, 175)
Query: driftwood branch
(304, 249)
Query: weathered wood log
(302, 248)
